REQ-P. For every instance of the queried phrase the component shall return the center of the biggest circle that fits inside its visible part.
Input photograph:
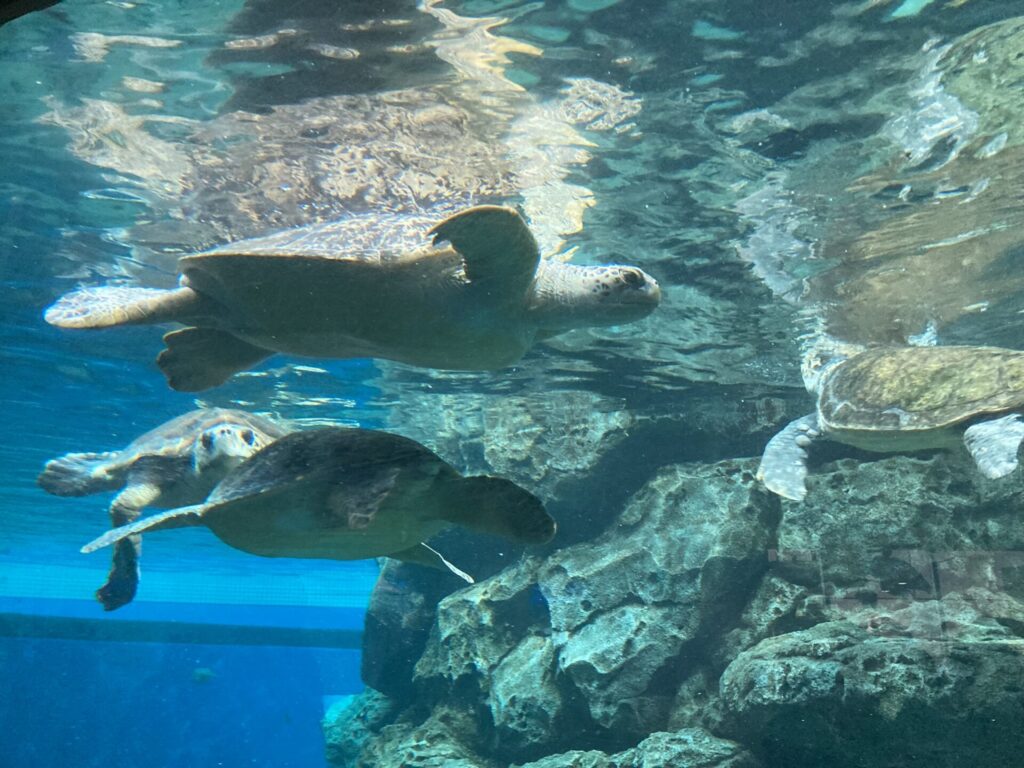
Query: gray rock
(777, 607)
(397, 624)
(435, 743)
(478, 626)
(574, 759)
(351, 722)
(935, 682)
(600, 632)
(617, 661)
(951, 524)
(694, 535)
(526, 704)
(878, 622)
(689, 748)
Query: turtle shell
(335, 492)
(905, 389)
(330, 457)
(376, 237)
(347, 265)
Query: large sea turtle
(894, 399)
(369, 287)
(346, 494)
(177, 463)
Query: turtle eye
(249, 436)
(206, 440)
(632, 278)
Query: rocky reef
(708, 623)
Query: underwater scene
(492, 384)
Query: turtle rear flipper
(123, 579)
(79, 474)
(499, 507)
(994, 444)
(783, 468)
(202, 358)
(106, 306)
(182, 517)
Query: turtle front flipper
(994, 444)
(202, 358)
(123, 579)
(107, 306)
(783, 468)
(182, 517)
(496, 246)
(79, 474)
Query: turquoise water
(789, 175)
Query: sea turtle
(893, 399)
(369, 287)
(343, 493)
(177, 463)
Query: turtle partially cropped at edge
(894, 399)
(370, 286)
(344, 493)
(177, 463)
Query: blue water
(743, 150)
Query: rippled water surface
(788, 172)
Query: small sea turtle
(370, 287)
(893, 399)
(346, 494)
(177, 463)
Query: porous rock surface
(879, 623)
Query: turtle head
(226, 446)
(822, 354)
(568, 296)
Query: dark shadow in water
(326, 48)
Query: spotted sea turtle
(893, 399)
(369, 287)
(177, 463)
(341, 493)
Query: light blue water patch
(590, 6)
(910, 8)
(705, 30)
(521, 77)
(708, 79)
(256, 69)
(719, 106)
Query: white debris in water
(929, 337)
(334, 51)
